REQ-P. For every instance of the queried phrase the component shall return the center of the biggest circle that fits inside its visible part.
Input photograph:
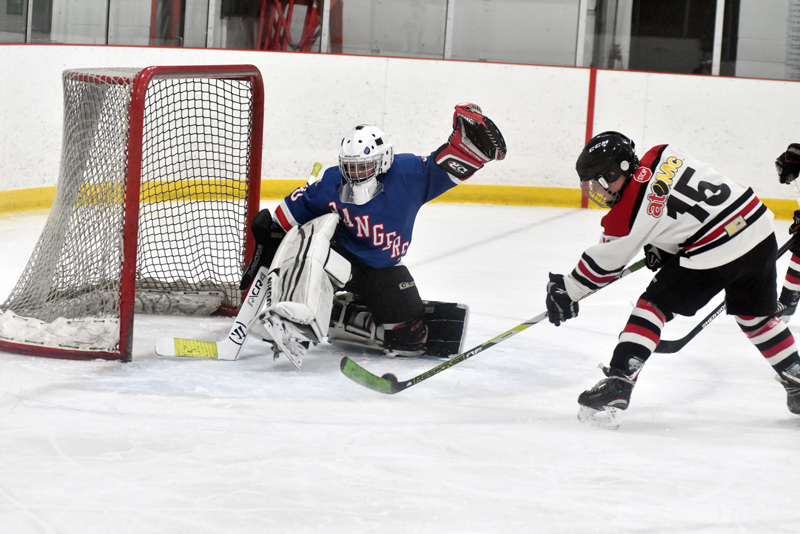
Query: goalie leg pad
(447, 328)
(300, 286)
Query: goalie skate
(351, 323)
(287, 339)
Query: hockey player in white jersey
(704, 234)
(788, 166)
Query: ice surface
(171, 445)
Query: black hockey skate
(792, 398)
(601, 404)
(787, 304)
(790, 379)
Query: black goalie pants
(390, 292)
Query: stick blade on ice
(361, 376)
(193, 348)
(172, 346)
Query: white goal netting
(193, 192)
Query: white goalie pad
(303, 276)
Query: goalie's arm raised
(475, 141)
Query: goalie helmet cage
(160, 176)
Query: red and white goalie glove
(475, 141)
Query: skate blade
(284, 345)
(608, 418)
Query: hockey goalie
(335, 246)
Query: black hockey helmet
(605, 159)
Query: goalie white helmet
(364, 154)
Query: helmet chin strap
(360, 194)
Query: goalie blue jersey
(379, 232)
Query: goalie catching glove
(475, 141)
(560, 306)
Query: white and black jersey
(680, 205)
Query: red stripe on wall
(590, 118)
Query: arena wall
(736, 124)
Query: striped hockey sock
(772, 338)
(638, 339)
(792, 280)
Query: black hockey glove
(262, 226)
(560, 306)
(268, 236)
(655, 257)
(788, 164)
(793, 231)
(795, 226)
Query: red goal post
(160, 176)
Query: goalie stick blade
(170, 346)
(192, 348)
(387, 383)
(228, 348)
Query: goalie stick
(228, 348)
(671, 346)
(389, 384)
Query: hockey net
(160, 176)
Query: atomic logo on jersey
(666, 172)
(661, 186)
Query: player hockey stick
(671, 346)
(389, 384)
